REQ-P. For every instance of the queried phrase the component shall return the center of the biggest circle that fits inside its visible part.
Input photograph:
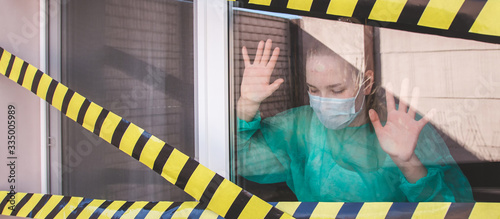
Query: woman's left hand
(398, 137)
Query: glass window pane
(304, 128)
(134, 58)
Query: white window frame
(212, 85)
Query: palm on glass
(255, 85)
(399, 136)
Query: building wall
(457, 77)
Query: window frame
(54, 153)
(212, 85)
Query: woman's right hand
(255, 85)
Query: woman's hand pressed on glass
(255, 85)
(399, 136)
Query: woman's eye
(313, 91)
(338, 91)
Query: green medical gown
(347, 165)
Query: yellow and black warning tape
(218, 197)
(472, 19)
(219, 194)
(56, 206)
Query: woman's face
(327, 77)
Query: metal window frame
(52, 25)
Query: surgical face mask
(335, 113)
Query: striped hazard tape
(218, 197)
(219, 194)
(471, 19)
(56, 206)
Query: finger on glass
(258, 55)
(274, 58)
(391, 106)
(415, 96)
(427, 117)
(403, 95)
(267, 51)
(246, 59)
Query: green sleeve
(256, 160)
(445, 181)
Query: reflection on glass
(312, 114)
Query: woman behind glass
(338, 148)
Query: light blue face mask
(335, 113)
